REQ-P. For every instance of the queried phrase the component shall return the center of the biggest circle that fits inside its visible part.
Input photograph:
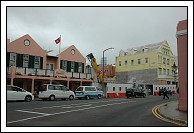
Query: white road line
(61, 106)
(26, 119)
(32, 112)
(78, 106)
(67, 112)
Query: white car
(88, 92)
(16, 93)
(53, 91)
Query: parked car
(161, 92)
(53, 91)
(16, 93)
(131, 92)
(88, 92)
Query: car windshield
(79, 89)
(43, 88)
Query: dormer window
(145, 49)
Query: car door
(58, 92)
(65, 92)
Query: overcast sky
(94, 29)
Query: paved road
(117, 112)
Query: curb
(170, 118)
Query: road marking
(78, 106)
(26, 119)
(155, 112)
(32, 112)
(44, 115)
(61, 106)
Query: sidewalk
(170, 111)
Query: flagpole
(59, 52)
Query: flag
(57, 40)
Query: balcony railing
(168, 76)
(47, 73)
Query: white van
(53, 91)
(88, 92)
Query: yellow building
(149, 64)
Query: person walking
(165, 93)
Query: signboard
(60, 73)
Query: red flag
(57, 40)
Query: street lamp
(103, 68)
(174, 69)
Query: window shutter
(76, 67)
(8, 59)
(31, 61)
(61, 64)
(19, 60)
(68, 66)
(83, 67)
(41, 62)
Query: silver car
(16, 93)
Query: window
(64, 65)
(49, 66)
(12, 59)
(79, 89)
(132, 62)
(156, 88)
(164, 71)
(139, 61)
(72, 66)
(119, 88)
(146, 60)
(57, 87)
(168, 72)
(64, 88)
(79, 67)
(113, 88)
(51, 87)
(37, 62)
(126, 63)
(164, 60)
(167, 62)
(25, 60)
(119, 63)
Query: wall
(182, 47)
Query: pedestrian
(165, 93)
(149, 91)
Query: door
(65, 92)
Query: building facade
(182, 47)
(149, 64)
(29, 66)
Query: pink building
(29, 66)
(182, 46)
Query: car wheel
(144, 95)
(52, 98)
(87, 97)
(28, 98)
(71, 97)
(99, 96)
